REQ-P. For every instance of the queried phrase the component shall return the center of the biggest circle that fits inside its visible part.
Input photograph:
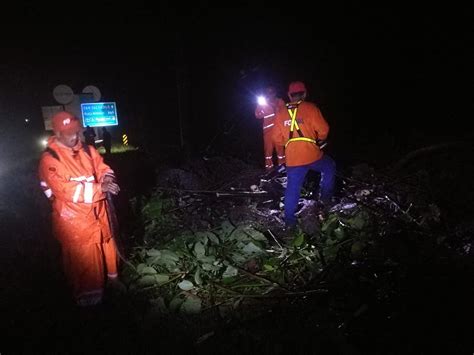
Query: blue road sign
(99, 114)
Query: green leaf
(199, 250)
(213, 238)
(147, 280)
(162, 278)
(169, 255)
(209, 259)
(140, 267)
(186, 285)
(251, 248)
(339, 233)
(298, 241)
(359, 221)
(240, 235)
(148, 270)
(255, 235)
(268, 267)
(210, 267)
(211, 250)
(197, 277)
(153, 260)
(227, 228)
(204, 237)
(238, 258)
(192, 305)
(153, 252)
(168, 259)
(230, 271)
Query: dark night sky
(387, 78)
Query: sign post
(99, 114)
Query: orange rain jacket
(72, 182)
(271, 108)
(311, 123)
(268, 123)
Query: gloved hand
(109, 185)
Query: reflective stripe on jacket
(268, 113)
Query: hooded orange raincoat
(71, 178)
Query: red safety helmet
(65, 122)
(296, 86)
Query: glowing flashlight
(262, 101)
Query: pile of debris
(210, 243)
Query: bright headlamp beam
(262, 101)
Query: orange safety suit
(71, 178)
(267, 114)
(307, 126)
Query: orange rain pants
(268, 146)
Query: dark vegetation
(210, 269)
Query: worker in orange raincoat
(266, 110)
(75, 179)
(302, 128)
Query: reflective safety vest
(292, 110)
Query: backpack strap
(53, 153)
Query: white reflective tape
(48, 193)
(268, 126)
(90, 178)
(77, 193)
(80, 178)
(112, 276)
(43, 184)
(270, 115)
(281, 156)
(88, 192)
(268, 157)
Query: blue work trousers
(296, 175)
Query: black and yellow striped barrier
(125, 139)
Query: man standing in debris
(267, 108)
(302, 129)
(75, 179)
